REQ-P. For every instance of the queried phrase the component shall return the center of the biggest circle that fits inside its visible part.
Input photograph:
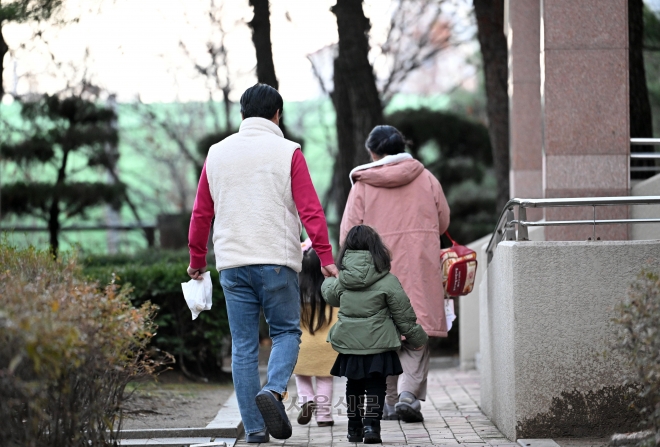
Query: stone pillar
(584, 97)
(524, 40)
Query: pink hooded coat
(405, 203)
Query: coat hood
(389, 175)
(358, 270)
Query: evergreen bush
(67, 351)
(639, 341)
(156, 276)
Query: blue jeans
(247, 290)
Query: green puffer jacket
(374, 311)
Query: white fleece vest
(256, 220)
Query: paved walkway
(451, 412)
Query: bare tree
(260, 25)
(355, 96)
(22, 11)
(216, 69)
(490, 31)
(416, 34)
(178, 131)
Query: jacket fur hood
(395, 172)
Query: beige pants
(415, 371)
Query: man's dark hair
(261, 101)
(363, 237)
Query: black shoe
(274, 414)
(372, 435)
(257, 438)
(355, 434)
(355, 431)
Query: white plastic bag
(449, 312)
(198, 294)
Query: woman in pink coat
(405, 203)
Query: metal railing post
(523, 235)
(510, 230)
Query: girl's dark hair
(312, 305)
(363, 237)
(386, 140)
(261, 101)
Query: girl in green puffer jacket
(374, 312)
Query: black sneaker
(274, 414)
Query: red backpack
(459, 268)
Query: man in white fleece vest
(257, 186)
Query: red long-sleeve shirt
(304, 196)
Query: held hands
(330, 270)
(196, 273)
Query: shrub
(639, 341)
(197, 345)
(67, 350)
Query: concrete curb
(537, 443)
(204, 432)
(177, 442)
(227, 426)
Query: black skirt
(358, 367)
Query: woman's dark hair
(363, 237)
(261, 101)
(312, 305)
(386, 140)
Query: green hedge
(156, 276)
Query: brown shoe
(306, 412)
(325, 423)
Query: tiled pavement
(451, 412)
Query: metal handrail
(506, 223)
(645, 141)
(645, 155)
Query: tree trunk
(490, 31)
(54, 225)
(641, 124)
(54, 211)
(355, 96)
(3, 50)
(260, 25)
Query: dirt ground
(174, 402)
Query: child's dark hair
(312, 305)
(363, 237)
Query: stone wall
(546, 332)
